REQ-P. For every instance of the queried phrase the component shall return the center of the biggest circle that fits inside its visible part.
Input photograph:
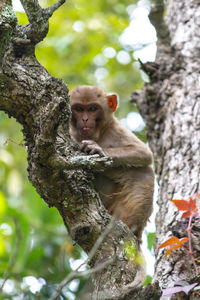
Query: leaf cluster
(191, 210)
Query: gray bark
(170, 104)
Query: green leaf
(3, 204)
(148, 280)
(150, 240)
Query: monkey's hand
(91, 147)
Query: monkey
(126, 188)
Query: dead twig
(76, 273)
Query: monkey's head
(92, 110)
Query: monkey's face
(92, 111)
(86, 119)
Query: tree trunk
(170, 104)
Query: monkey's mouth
(86, 130)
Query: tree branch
(33, 9)
(50, 10)
(8, 22)
(156, 17)
(38, 19)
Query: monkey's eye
(93, 107)
(78, 108)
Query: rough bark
(40, 103)
(170, 104)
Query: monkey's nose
(85, 119)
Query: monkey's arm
(136, 154)
(124, 147)
(132, 155)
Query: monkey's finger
(87, 148)
(102, 153)
(82, 147)
(94, 151)
(103, 158)
(87, 142)
(95, 155)
(84, 144)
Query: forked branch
(38, 18)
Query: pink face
(86, 117)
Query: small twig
(91, 254)
(76, 274)
(32, 7)
(101, 238)
(189, 233)
(12, 141)
(50, 10)
(14, 254)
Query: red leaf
(177, 246)
(192, 204)
(171, 241)
(186, 214)
(181, 204)
(183, 240)
(172, 248)
(176, 242)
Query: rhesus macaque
(127, 188)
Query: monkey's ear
(112, 101)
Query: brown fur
(127, 188)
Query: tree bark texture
(170, 104)
(60, 173)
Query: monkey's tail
(139, 278)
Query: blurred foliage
(151, 240)
(41, 243)
(132, 253)
(148, 280)
(82, 47)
